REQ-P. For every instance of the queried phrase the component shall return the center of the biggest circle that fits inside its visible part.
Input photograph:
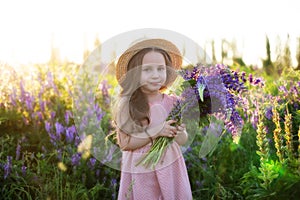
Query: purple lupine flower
(175, 114)
(235, 124)
(68, 114)
(42, 105)
(29, 101)
(91, 163)
(84, 123)
(243, 77)
(8, 167)
(250, 78)
(109, 155)
(267, 129)
(269, 113)
(52, 115)
(189, 149)
(114, 184)
(77, 140)
(99, 112)
(257, 81)
(295, 91)
(23, 168)
(296, 106)
(221, 86)
(53, 138)
(13, 97)
(76, 159)
(40, 115)
(48, 127)
(59, 129)
(283, 89)
(33, 115)
(254, 119)
(50, 80)
(217, 90)
(104, 90)
(70, 133)
(18, 150)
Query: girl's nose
(155, 73)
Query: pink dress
(169, 180)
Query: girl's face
(153, 72)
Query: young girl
(144, 71)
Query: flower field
(43, 156)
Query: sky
(29, 28)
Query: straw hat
(170, 48)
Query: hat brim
(170, 48)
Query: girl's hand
(181, 134)
(181, 129)
(168, 130)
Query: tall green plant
(272, 179)
(277, 135)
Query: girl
(144, 71)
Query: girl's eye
(146, 69)
(161, 69)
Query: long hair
(137, 102)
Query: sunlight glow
(29, 29)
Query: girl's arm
(181, 135)
(130, 142)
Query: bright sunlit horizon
(29, 29)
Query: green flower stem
(157, 150)
(154, 155)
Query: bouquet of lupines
(205, 91)
(160, 144)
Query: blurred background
(67, 31)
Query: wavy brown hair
(138, 102)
